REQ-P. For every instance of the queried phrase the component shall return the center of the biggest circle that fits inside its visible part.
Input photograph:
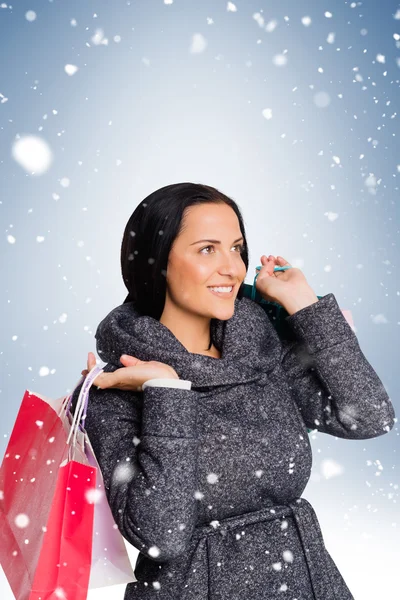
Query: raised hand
(279, 286)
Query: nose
(230, 264)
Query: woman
(201, 430)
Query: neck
(192, 330)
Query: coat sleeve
(334, 386)
(146, 446)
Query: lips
(223, 294)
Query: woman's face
(194, 265)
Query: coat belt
(309, 532)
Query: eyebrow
(216, 241)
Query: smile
(222, 292)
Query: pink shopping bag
(54, 518)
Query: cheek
(202, 272)
(193, 271)
(190, 272)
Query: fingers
(110, 380)
(91, 362)
(128, 360)
(278, 261)
(269, 263)
(99, 383)
(106, 380)
(281, 261)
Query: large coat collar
(245, 342)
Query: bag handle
(82, 402)
(254, 290)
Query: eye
(206, 248)
(240, 246)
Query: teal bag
(275, 312)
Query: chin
(224, 312)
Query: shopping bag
(42, 514)
(276, 312)
(110, 561)
(47, 507)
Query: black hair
(149, 235)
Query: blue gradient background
(146, 112)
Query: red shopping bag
(46, 502)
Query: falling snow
(331, 468)
(280, 60)
(94, 496)
(267, 113)
(327, 158)
(198, 44)
(70, 69)
(33, 154)
(22, 520)
(30, 16)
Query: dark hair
(149, 235)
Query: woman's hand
(132, 375)
(283, 287)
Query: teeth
(221, 289)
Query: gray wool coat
(206, 483)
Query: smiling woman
(177, 287)
(203, 285)
(216, 452)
